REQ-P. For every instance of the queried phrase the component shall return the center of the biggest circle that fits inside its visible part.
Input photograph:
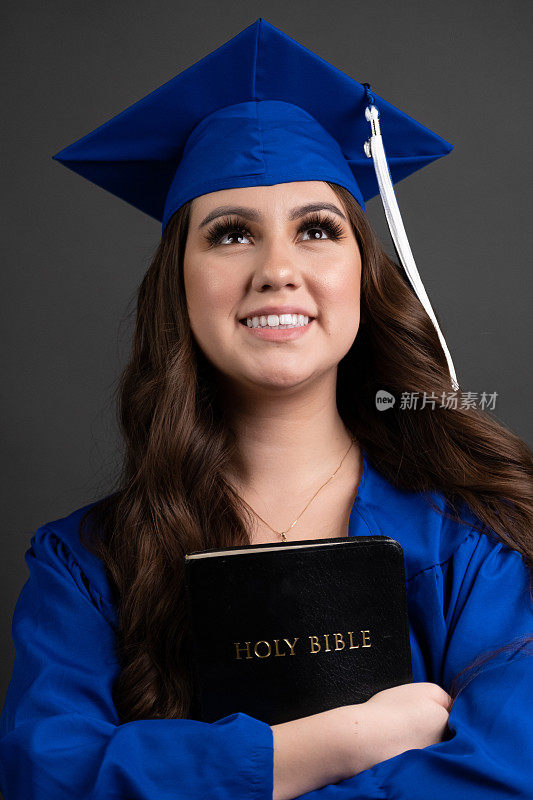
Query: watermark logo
(412, 401)
(384, 400)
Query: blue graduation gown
(467, 593)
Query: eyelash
(234, 225)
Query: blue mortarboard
(261, 109)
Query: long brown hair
(171, 496)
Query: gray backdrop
(74, 254)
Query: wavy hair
(172, 498)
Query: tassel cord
(375, 149)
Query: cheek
(211, 292)
(339, 297)
(340, 285)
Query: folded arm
(59, 733)
(484, 602)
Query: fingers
(442, 696)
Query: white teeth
(278, 321)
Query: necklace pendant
(282, 533)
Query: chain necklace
(282, 533)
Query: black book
(289, 629)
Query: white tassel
(374, 149)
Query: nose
(275, 267)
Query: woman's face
(260, 250)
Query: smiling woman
(237, 434)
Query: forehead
(278, 198)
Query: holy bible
(285, 630)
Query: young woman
(240, 430)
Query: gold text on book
(326, 643)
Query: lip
(266, 310)
(277, 335)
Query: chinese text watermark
(412, 401)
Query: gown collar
(361, 521)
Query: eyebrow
(256, 216)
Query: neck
(288, 443)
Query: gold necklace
(282, 533)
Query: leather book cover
(289, 629)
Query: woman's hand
(324, 748)
(413, 715)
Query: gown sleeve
(60, 736)
(475, 602)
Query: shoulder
(422, 522)
(58, 543)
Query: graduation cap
(261, 109)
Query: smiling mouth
(276, 327)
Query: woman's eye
(319, 225)
(225, 230)
(317, 230)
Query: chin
(277, 380)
